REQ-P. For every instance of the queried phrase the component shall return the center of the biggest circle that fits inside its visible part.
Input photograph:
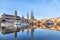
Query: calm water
(34, 34)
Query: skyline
(41, 8)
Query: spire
(15, 14)
(22, 17)
(27, 16)
(32, 15)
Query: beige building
(10, 18)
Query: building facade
(10, 20)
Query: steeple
(27, 16)
(22, 17)
(15, 14)
(32, 15)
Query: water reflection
(15, 34)
(27, 31)
(7, 31)
(30, 34)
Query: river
(32, 34)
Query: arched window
(3, 20)
(49, 23)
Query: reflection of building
(32, 32)
(22, 30)
(15, 34)
(27, 31)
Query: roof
(10, 15)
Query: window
(7, 18)
(3, 20)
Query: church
(9, 20)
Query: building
(10, 18)
(32, 15)
(7, 20)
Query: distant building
(32, 15)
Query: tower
(32, 15)
(15, 14)
(27, 16)
(22, 17)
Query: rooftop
(9, 15)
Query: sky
(41, 8)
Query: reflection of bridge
(52, 23)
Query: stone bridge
(51, 23)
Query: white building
(12, 20)
(8, 20)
